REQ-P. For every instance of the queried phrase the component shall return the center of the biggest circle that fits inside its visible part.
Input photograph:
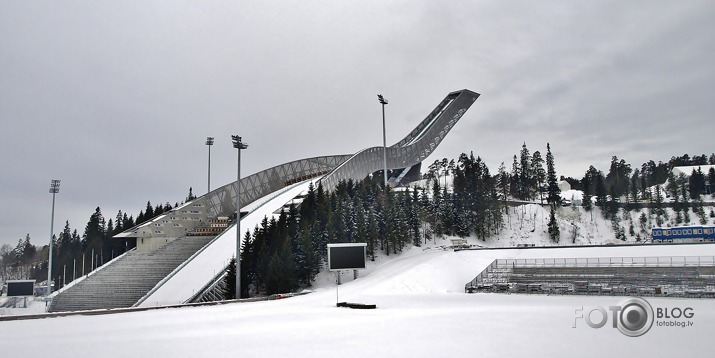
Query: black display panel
(346, 256)
(20, 288)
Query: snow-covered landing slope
(422, 312)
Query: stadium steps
(126, 280)
(614, 276)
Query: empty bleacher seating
(126, 280)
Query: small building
(564, 185)
(687, 171)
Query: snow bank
(422, 312)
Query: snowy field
(422, 312)
(422, 308)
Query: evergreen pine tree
(94, 235)
(118, 223)
(537, 163)
(229, 281)
(444, 165)
(588, 185)
(553, 226)
(127, 222)
(29, 250)
(525, 175)
(635, 185)
(373, 232)
(446, 212)
(685, 196)
(191, 195)
(645, 193)
(274, 279)
(149, 211)
(140, 218)
(617, 228)
(696, 184)
(554, 192)
(249, 276)
(311, 265)
(414, 217)
(657, 208)
(600, 191)
(158, 210)
(515, 180)
(618, 178)
(700, 211)
(503, 184)
(437, 227)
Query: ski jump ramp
(283, 181)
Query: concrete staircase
(126, 280)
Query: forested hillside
(459, 197)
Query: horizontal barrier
(662, 275)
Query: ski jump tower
(166, 248)
(405, 155)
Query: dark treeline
(285, 253)
(651, 184)
(20, 261)
(74, 254)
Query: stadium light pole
(209, 143)
(238, 144)
(54, 189)
(383, 101)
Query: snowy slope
(422, 312)
(422, 309)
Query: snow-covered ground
(422, 312)
(422, 308)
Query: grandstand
(127, 279)
(683, 276)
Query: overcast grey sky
(116, 98)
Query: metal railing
(660, 275)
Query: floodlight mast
(54, 189)
(238, 144)
(383, 101)
(209, 143)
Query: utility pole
(238, 144)
(383, 101)
(54, 189)
(209, 143)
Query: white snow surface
(422, 311)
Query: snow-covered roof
(564, 185)
(687, 170)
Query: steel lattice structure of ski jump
(412, 149)
(408, 152)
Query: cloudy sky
(116, 98)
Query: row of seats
(126, 280)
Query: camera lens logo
(635, 317)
